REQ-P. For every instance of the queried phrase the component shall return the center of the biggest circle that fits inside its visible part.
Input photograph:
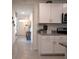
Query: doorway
(24, 26)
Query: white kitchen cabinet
(44, 12)
(57, 47)
(56, 13)
(50, 13)
(64, 7)
(50, 44)
(45, 45)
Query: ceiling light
(22, 20)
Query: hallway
(22, 49)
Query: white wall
(13, 35)
(35, 23)
(14, 28)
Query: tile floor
(22, 49)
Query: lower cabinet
(50, 44)
(57, 47)
(45, 45)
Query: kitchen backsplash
(51, 27)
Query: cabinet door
(58, 48)
(64, 7)
(46, 46)
(53, 43)
(56, 13)
(44, 13)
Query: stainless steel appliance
(62, 30)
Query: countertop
(53, 33)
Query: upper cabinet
(64, 8)
(51, 12)
(56, 13)
(44, 13)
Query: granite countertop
(53, 33)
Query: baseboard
(52, 54)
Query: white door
(44, 13)
(21, 28)
(56, 13)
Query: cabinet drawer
(61, 38)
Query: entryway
(24, 25)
